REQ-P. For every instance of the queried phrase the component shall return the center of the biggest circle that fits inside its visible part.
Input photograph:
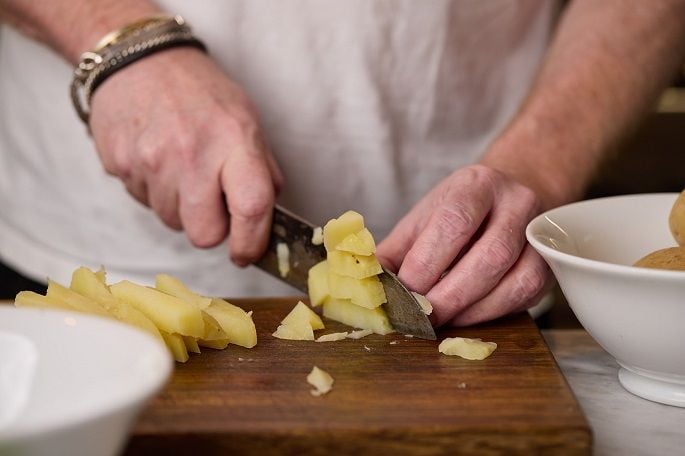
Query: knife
(404, 312)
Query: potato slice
(358, 334)
(338, 229)
(295, 331)
(360, 243)
(75, 300)
(301, 314)
(168, 313)
(236, 323)
(366, 292)
(283, 256)
(91, 285)
(333, 337)
(472, 349)
(38, 301)
(426, 306)
(191, 344)
(176, 345)
(218, 344)
(351, 265)
(344, 311)
(317, 236)
(321, 380)
(173, 286)
(317, 283)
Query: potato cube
(344, 311)
(300, 315)
(338, 229)
(473, 349)
(351, 265)
(317, 283)
(298, 331)
(168, 313)
(236, 323)
(360, 243)
(366, 292)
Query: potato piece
(283, 256)
(366, 292)
(38, 301)
(317, 283)
(338, 229)
(91, 285)
(360, 243)
(672, 258)
(472, 349)
(173, 286)
(75, 300)
(351, 265)
(300, 315)
(317, 236)
(176, 345)
(236, 323)
(218, 344)
(358, 334)
(426, 306)
(298, 331)
(191, 344)
(344, 311)
(676, 219)
(168, 313)
(321, 380)
(333, 337)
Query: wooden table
(392, 395)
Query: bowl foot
(652, 389)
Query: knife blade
(404, 312)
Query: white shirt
(366, 104)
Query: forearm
(71, 27)
(605, 67)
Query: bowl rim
(597, 265)
(141, 395)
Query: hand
(185, 141)
(463, 246)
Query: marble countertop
(622, 424)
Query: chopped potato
(321, 380)
(367, 292)
(344, 311)
(218, 344)
(473, 349)
(283, 256)
(191, 344)
(176, 345)
(173, 286)
(169, 313)
(338, 229)
(317, 236)
(425, 304)
(358, 334)
(236, 323)
(38, 301)
(75, 300)
(333, 337)
(298, 331)
(360, 243)
(317, 283)
(301, 314)
(351, 265)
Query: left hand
(464, 247)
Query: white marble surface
(622, 424)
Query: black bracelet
(135, 42)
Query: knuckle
(529, 284)
(454, 221)
(149, 156)
(499, 255)
(252, 208)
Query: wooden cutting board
(392, 395)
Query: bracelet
(121, 48)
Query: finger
(249, 190)
(137, 188)
(162, 177)
(486, 262)
(392, 250)
(450, 227)
(521, 288)
(276, 173)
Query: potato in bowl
(637, 314)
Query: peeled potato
(672, 258)
(676, 220)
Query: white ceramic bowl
(636, 314)
(72, 384)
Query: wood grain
(401, 398)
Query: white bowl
(72, 384)
(635, 314)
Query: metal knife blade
(404, 312)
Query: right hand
(185, 141)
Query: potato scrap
(299, 324)
(321, 380)
(426, 306)
(317, 236)
(333, 337)
(283, 255)
(358, 334)
(472, 349)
